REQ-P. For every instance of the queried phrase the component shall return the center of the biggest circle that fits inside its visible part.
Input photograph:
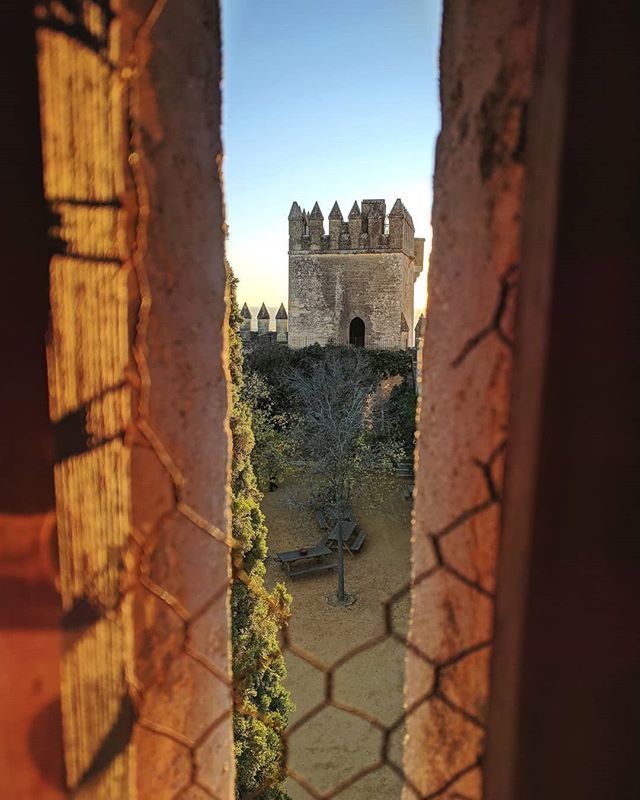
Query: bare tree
(337, 427)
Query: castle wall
(487, 61)
(326, 291)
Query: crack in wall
(506, 285)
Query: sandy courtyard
(333, 744)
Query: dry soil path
(333, 744)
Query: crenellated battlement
(368, 228)
(264, 332)
(351, 279)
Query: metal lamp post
(341, 593)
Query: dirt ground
(333, 744)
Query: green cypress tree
(263, 703)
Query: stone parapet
(368, 229)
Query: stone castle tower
(355, 284)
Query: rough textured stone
(486, 72)
(471, 549)
(468, 787)
(459, 618)
(466, 683)
(460, 745)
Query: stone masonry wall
(327, 291)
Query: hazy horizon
(323, 102)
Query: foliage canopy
(339, 423)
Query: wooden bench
(357, 542)
(294, 573)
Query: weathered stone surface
(31, 757)
(179, 550)
(326, 291)
(131, 149)
(423, 679)
(185, 700)
(468, 787)
(486, 73)
(176, 124)
(195, 793)
(214, 763)
(471, 549)
(466, 683)
(459, 618)
(205, 638)
(460, 742)
(158, 498)
(171, 763)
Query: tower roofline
(363, 231)
(296, 212)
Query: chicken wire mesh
(82, 87)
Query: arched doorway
(356, 332)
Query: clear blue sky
(327, 100)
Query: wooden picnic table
(309, 557)
(348, 527)
(357, 543)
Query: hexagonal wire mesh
(436, 667)
(88, 22)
